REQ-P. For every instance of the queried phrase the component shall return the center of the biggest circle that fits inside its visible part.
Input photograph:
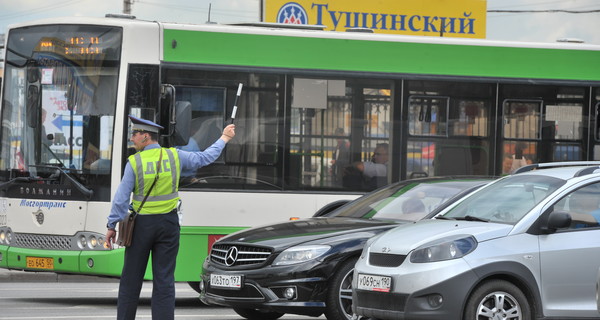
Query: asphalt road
(50, 296)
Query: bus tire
(254, 314)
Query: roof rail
(586, 171)
(548, 165)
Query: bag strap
(152, 186)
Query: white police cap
(138, 124)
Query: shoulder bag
(125, 229)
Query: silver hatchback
(524, 247)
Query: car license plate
(374, 283)
(40, 263)
(226, 281)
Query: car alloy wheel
(497, 299)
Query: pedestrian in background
(156, 228)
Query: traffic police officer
(157, 224)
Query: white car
(524, 247)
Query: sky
(530, 27)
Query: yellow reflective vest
(164, 195)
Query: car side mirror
(557, 220)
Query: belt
(174, 211)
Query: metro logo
(292, 13)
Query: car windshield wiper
(86, 192)
(444, 218)
(6, 184)
(472, 218)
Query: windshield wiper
(472, 218)
(443, 218)
(86, 192)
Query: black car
(305, 266)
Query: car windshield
(507, 200)
(409, 201)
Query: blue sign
(59, 122)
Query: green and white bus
(444, 107)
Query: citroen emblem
(231, 256)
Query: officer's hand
(110, 238)
(228, 133)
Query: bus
(442, 106)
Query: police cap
(144, 125)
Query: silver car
(524, 247)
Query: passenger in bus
(518, 159)
(157, 224)
(373, 172)
(341, 157)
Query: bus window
(448, 129)
(328, 114)
(428, 115)
(252, 160)
(208, 112)
(550, 128)
(521, 119)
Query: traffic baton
(237, 96)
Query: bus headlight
(86, 240)
(6, 236)
(82, 242)
(93, 242)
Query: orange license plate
(40, 263)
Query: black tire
(194, 285)
(495, 297)
(253, 314)
(339, 293)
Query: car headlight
(300, 254)
(444, 249)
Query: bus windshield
(59, 101)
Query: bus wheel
(253, 314)
(497, 299)
(339, 293)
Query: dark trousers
(159, 234)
